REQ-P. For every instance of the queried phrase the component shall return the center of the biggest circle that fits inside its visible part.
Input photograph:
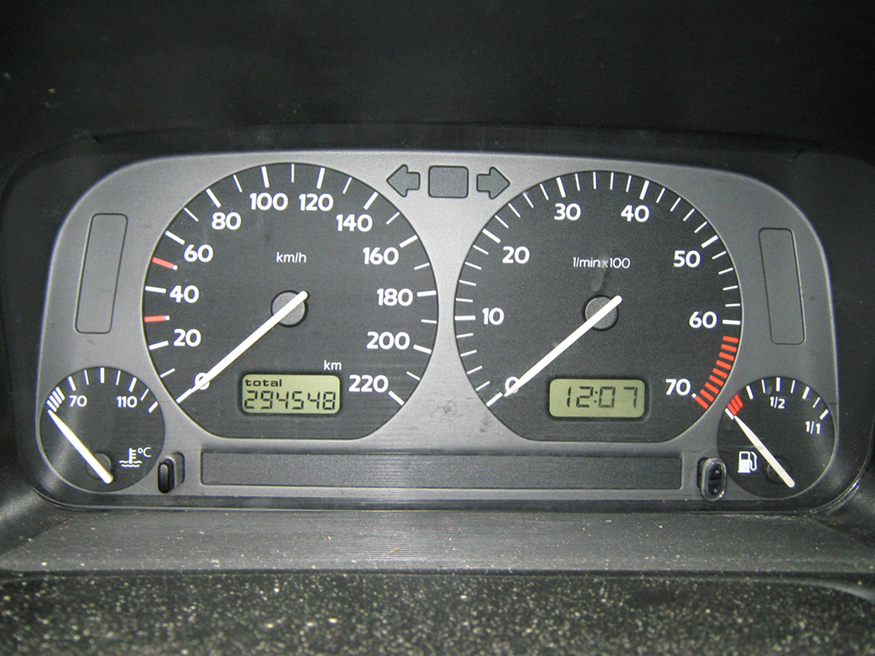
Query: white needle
(758, 443)
(560, 348)
(242, 347)
(93, 462)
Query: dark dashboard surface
(781, 93)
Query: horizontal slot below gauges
(408, 471)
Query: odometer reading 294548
(275, 283)
(598, 306)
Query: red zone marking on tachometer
(164, 263)
(718, 376)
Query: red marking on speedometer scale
(719, 374)
(164, 263)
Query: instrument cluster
(419, 327)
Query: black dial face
(777, 437)
(101, 429)
(598, 306)
(290, 300)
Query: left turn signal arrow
(403, 180)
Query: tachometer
(598, 306)
(290, 300)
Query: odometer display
(583, 398)
(289, 394)
(598, 271)
(290, 268)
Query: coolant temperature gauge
(776, 436)
(101, 429)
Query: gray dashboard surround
(444, 415)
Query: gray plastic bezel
(444, 415)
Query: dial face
(292, 301)
(777, 437)
(101, 429)
(598, 306)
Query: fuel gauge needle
(202, 380)
(83, 451)
(758, 444)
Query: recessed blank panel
(100, 273)
(782, 286)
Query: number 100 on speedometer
(290, 301)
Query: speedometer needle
(202, 380)
(81, 449)
(758, 444)
(563, 346)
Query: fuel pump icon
(747, 462)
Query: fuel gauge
(101, 429)
(776, 437)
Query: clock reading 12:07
(598, 306)
(578, 398)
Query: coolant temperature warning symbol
(133, 462)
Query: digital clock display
(597, 398)
(290, 394)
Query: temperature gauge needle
(83, 451)
(758, 444)
(204, 379)
(560, 348)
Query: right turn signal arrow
(492, 183)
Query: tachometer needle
(204, 380)
(83, 451)
(758, 444)
(564, 345)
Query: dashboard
(434, 327)
(495, 327)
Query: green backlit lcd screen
(597, 398)
(290, 394)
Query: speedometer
(598, 306)
(290, 300)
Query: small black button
(165, 476)
(171, 472)
(712, 478)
